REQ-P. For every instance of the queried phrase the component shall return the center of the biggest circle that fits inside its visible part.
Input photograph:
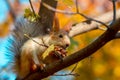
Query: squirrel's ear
(67, 27)
(56, 24)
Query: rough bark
(46, 15)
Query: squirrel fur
(26, 53)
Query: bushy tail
(16, 40)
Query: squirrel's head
(58, 36)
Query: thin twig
(57, 10)
(72, 74)
(35, 41)
(114, 11)
(77, 8)
(91, 19)
(72, 13)
(74, 68)
(43, 42)
(32, 7)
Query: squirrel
(29, 42)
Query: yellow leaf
(68, 2)
(49, 49)
(31, 16)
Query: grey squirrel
(27, 52)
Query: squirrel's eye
(60, 36)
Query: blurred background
(102, 65)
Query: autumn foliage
(105, 63)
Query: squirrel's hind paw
(38, 67)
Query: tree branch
(79, 55)
(117, 35)
(46, 15)
(92, 25)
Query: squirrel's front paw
(60, 52)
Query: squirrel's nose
(67, 45)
